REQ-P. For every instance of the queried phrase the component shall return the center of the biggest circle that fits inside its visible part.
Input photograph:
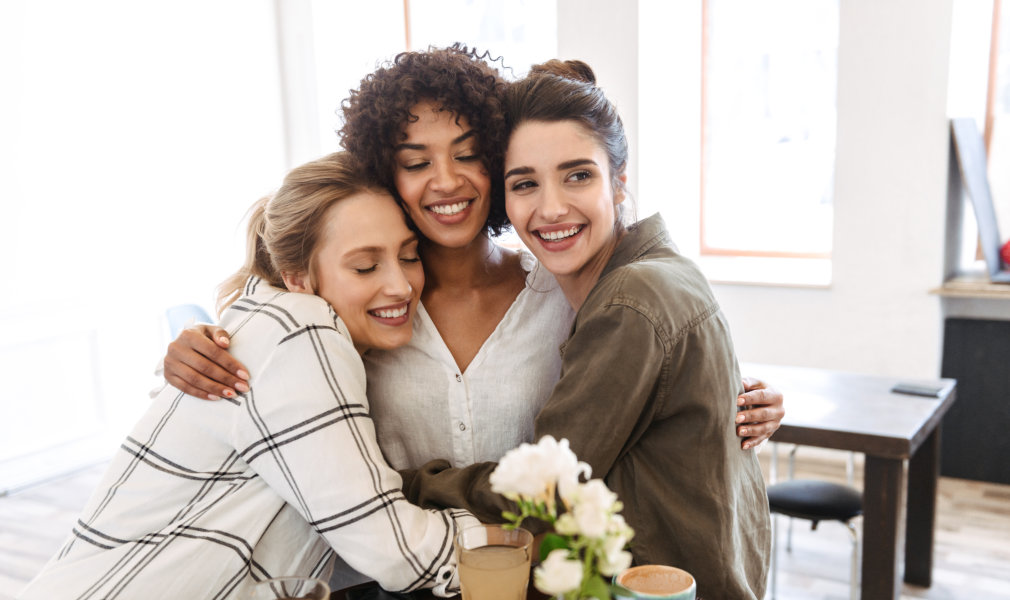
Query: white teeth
(554, 236)
(449, 209)
(391, 314)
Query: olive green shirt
(647, 397)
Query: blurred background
(798, 149)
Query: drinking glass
(291, 588)
(494, 562)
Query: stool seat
(815, 500)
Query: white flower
(613, 559)
(592, 505)
(619, 526)
(516, 474)
(566, 524)
(558, 574)
(535, 471)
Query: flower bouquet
(589, 537)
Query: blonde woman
(206, 498)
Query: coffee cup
(654, 582)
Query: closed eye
(366, 270)
(416, 166)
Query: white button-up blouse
(425, 408)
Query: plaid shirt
(203, 499)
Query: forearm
(438, 485)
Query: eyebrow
(454, 142)
(568, 164)
(379, 249)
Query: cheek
(518, 209)
(415, 276)
(481, 179)
(410, 190)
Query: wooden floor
(972, 558)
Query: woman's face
(368, 269)
(559, 196)
(440, 176)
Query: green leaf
(551, 542)
(509, 516)
(596, 587)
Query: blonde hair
(286, 227)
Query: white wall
(877, 316)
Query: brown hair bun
(569, 69)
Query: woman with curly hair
(485, 352)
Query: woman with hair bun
(204, 499)
(649, 379)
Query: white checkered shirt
(205, 498)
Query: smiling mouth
(557, 236)
(390, 313)
(448, 210)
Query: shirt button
(458, 377)
(462, 426)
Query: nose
(553, 206)
(396, 285)
(445, 177)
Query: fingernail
(212, 397)
(740, 400)
(241, 387)
(746, 446)
(743, 431)
(228, 393)
(223, 340)
(739, 418)
(243, 375)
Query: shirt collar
(638, 241)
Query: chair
(815, 501)
(183, 315)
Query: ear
(297, 282)
(619, 189)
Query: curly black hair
(457, 79)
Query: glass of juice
(494, 562)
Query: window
(997, 120)
(738, 93)
(135, 136)
(979, 87)
(523, 32)
(768, 127)
(329, 46)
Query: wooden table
(846, 411)
(372, 591)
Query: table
(846, 411)
(372, 591)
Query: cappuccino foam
(655, 579)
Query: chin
(392, 343)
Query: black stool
(817, 501)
